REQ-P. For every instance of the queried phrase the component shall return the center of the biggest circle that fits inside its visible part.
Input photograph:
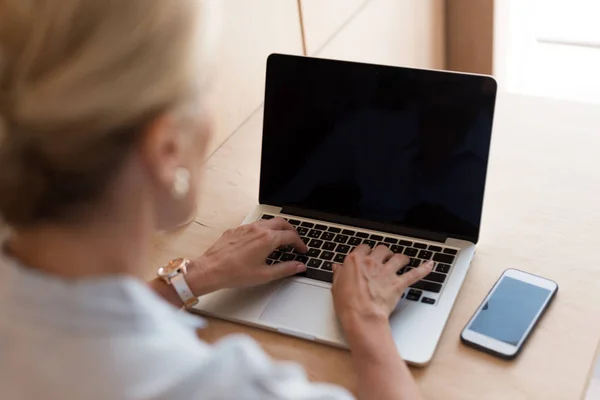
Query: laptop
(358, 153)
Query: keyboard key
(450, 251)
(307, 224)
(428, 300)
(384, 244)
(334, 229)
(428, 286)
(377, 237)
(313, 253)
(354, 241)
(321, 227)
(397, 249)
(443, 258)
(270, 262)
(301, 258)
(294, 222)
(305, 239)
(275, 255)
(287, 257)
(329, 246)
(267, 216)
(302, 231)
(339, 258)
(327, 255)
(412, 297)
(405, 243)
(415, 292)
(327, 236)
(316, 243)
(425, 255)
(435, 248)
(390, 240)
(314, 234)
(369, 242)
(420, 245)
(348, 232)
(362, 235)
(319, 275)
(435, 277)
(443, 268)
(341, 239)
(409, 251)
(343, 248)
(327, 266)
(286, 249)
(314, 263)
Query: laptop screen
(393, 145)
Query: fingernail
(301, 267)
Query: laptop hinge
(365, 224)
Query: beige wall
(395, 32)
(250, 31)
(322, 19)
(469, 35)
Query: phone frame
(495, 346)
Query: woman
(101, 144)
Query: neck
(96, 248)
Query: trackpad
(306, 309)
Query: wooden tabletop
(541, 214)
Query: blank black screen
(386, 144)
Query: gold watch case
(173, 268)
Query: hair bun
(77, 84)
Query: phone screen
(510, 310)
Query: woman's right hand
(366, 288)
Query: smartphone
(506, 317)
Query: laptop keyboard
(329, 244)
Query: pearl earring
(181, 184)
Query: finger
(382, 253)
(284, 269)
(335, 267)
(416, 274)
(362, 250)
(396, 262)
(285, 238)
(277, 223)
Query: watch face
(173, 268)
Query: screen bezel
(496, 345)
(369, 224)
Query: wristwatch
(174, 274)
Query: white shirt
(114, 338)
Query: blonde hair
(79, 79)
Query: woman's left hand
(238, 258)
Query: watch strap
(183, 290)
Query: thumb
(289, 268)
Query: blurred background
(548, 48)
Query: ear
(162, 150)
